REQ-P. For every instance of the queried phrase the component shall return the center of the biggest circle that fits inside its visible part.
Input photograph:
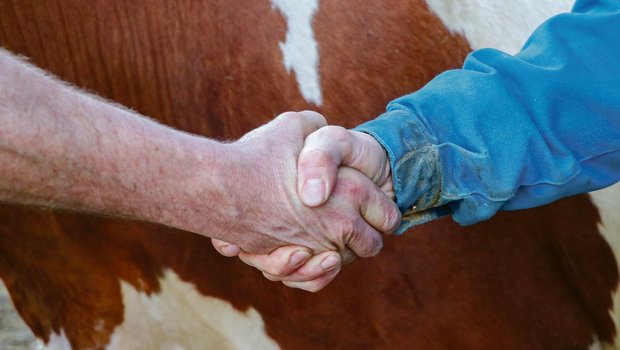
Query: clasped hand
(325, 197)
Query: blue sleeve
(511, 132)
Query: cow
(543, 278)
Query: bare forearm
(63, 148)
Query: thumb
(317, 166)
(326, 150)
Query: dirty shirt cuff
(415, 165)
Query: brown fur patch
(535, 279)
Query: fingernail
(229, 250)
(330, 262)
(298, 257)
(313, 192)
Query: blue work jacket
(510, 132)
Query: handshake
(294, 198)
(303, 199)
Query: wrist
(381, 174)
(195, 189)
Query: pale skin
(63, 148)
(324, 152)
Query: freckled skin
(535, 279)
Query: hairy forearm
(63, 148)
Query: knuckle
(289, 116)
(369, 248)
(367, 243)
(315, 138)
(339, 229)
(327, 133)
(316, 158)
(350, 189)
(314, 115)
(335, 132)
(292, 119)
(346, 227)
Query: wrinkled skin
(324, 152)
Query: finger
(359, 199)
(364, 240)
(375, 207)
(316, 267)
(379, 211)
(368, 157)
(312, 121)
(328, 148)
(314, 285)
(305, 122)
(318, 164)
(297, 124)
(280, 262)
(225, 248)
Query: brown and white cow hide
(536, 279)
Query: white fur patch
(14, 333)
(608, 203)
(503, 25)
(506, 25)
(58, 342)
(179, 317)
(300, 49)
